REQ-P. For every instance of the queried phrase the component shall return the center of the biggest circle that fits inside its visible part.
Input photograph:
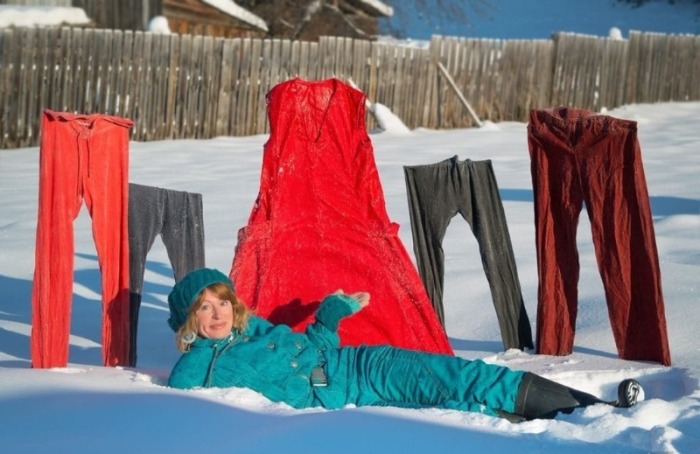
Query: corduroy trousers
(82, 157)
(436, 193)
(576, 157)
(177, 217)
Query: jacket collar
(202, 342)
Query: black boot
(539, 398)
(629, 392)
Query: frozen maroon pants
(81, 158)
(576, 157)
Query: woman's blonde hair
(189, 330)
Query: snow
(615, 33)
(92, 409)
(89, 408)
(378, 6)
(232, 9)
(29, 16)
(387, 120)
(159, 24)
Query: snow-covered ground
(88, 408)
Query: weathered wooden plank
(10, 45)
(279, 61)
(209, 71)
(114, 68)
(226, 89)
(254, 101)
(103, 75)
(347, 58)
(45, 64)
(445, 104)
(194, 92)
(275, 64)
(244, 87)
(263, 87)
(234, 58)
(314, 68)
(143, 121)
(124, 76)
(613, 73)
(182, 128)
(324, 67)
(285, 61)
(24, 82)
(304, 59)
(89, 54)
(72, 78)
(161, 119)
(151, 111)
(694, 84)
(134, 83)
(173, 58)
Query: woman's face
(214, 316)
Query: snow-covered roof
(375, 7)
(242, 14)
(30, 16)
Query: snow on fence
(184, 86)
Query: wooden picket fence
(182, 86)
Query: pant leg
(60, 199)
(431, 204)
(177, 217)
(146, 214)
(436, 193)
(623, 236)
(558, 204)
(183, 231)
(485, 214)
(106, 196)
(539, 398)
(406, 378)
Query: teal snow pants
(387, 376)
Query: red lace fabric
(320, 224)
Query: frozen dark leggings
(177, 217)
(576, 157)
(436, 193)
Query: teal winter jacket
(277, 362)
(270, 359)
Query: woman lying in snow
(224, 345)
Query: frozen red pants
(81, 158)
(576, 157)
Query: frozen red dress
(320, 224)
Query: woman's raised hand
(360, 297)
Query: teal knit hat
(185, 292)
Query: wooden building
(291, 19)
(309, 19)
(222, 18)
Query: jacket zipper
(217, 353)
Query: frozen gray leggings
(436, 193)
(177, 217)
